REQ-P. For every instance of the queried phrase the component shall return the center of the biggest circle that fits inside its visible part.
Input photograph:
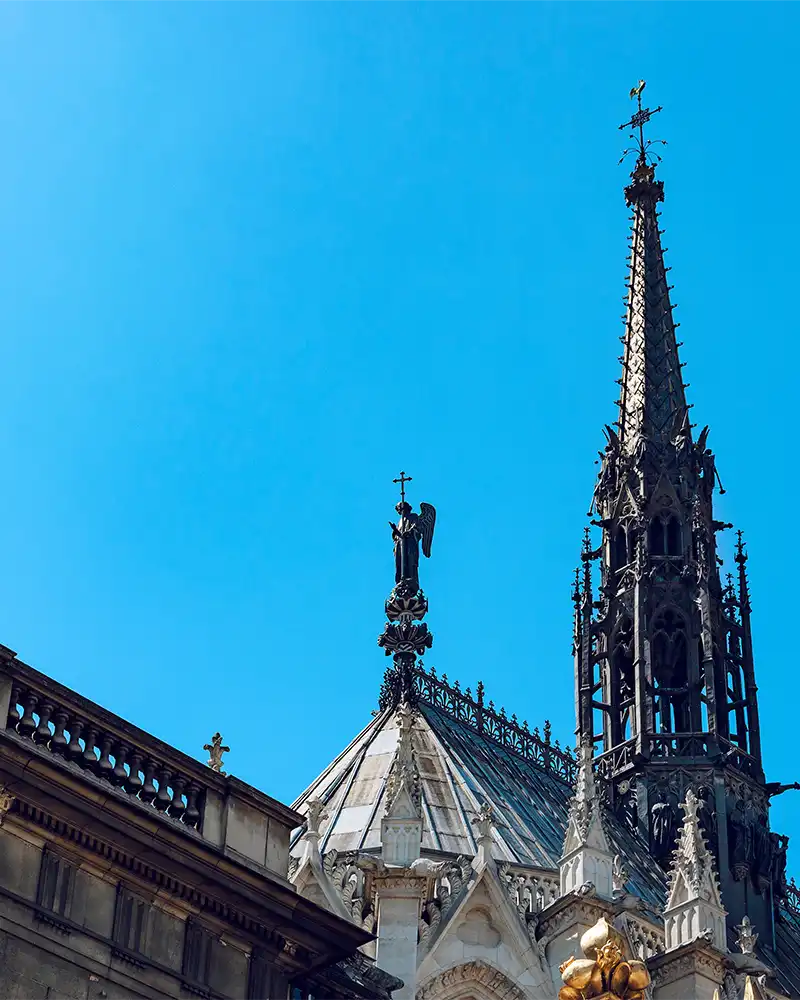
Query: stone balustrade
(48, 720)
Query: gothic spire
(652, 404)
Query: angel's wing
(426, 521)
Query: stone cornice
(305, 933)
(695, 958)
(573, 909)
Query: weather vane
(403, 479)
(638, 121)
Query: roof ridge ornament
(404, 772)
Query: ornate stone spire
(652, 405)
(665, 683)
(405, 636)
(587, 854)
(694, 905)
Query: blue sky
(258, 258)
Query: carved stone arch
(475, 979)
(626, 506)
(669, 652)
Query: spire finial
(402, 479)
(638, 121)
(740, 558)
(586, 559)
(405, 636)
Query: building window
(56, 879)
(130, 921)
(264, 980)
(197, 953)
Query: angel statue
(410, 530)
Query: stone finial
(694, 904)
(747, 937)
(587, 855)
(619, 874)
(6, 802)
(485, 825)
(485, 821)
(315, 810)
(215, 752)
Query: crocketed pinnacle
(585, 821)
(692, 873)
(653, 401)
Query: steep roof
(465, 760)
(467, 754)
(653, 399)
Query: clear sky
(258, 258)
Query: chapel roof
(526, 780)
(468, 754)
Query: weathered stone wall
(67, 948)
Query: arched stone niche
(470, 981)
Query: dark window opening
(619, 549)
(130, 921)
(657, 539)
(674, 541)
(669, 653)
(197, 953)
(56, 878)
(265, 981)
(737, 710)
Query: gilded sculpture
(604, 971)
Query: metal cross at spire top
(638, 121)
(403, 479)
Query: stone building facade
(128, 869)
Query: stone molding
(686, 961)
(6, 802)
(572, 910)
(206, 903)
(494, 981)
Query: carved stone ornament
(6, 801)
(604, 971)
(493, 981)
(704, 962)
(747, 937)
(619, 874)
(404, 774)
(215, 752)
(315, 813)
